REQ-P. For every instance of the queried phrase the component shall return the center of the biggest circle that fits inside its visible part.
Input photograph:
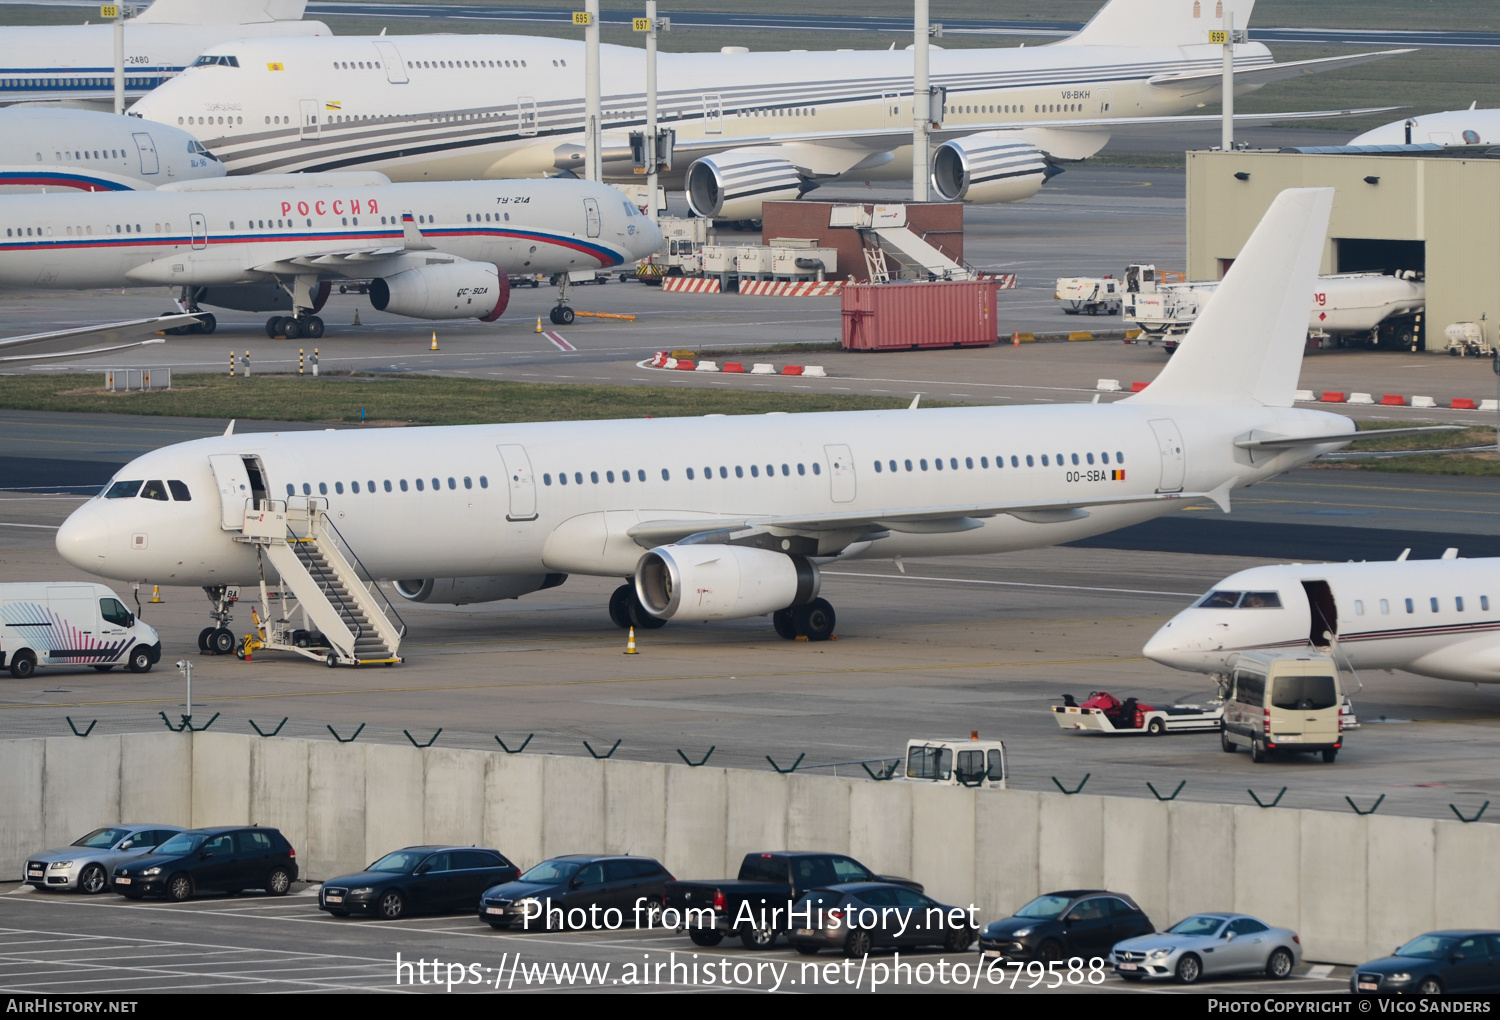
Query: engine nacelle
(733, 184)
(722, 582)
(456, 290)
(257, 297)
(989, 168)
(461, 591)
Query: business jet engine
(452, 290)
(989, 168)
(732, 185)
(462, 591)
(722, 582)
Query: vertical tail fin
(1158, 22)
(1246, 347)
(220, 12)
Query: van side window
(123, 490)
(179, 491)
(1250, 688)
(113, 612)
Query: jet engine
(722, 582)
(989, 168)
(455, 290)
(461, 591)
(733, 184)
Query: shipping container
(907, 316)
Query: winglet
(914, 402)
(230, 430)
(1220, 496)
(414, 239)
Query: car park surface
(417, 880)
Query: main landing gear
(288, 327)
(561, 314)
(813, 621)
(625, 610)
(219, 639)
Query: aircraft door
(591, 216)
(840, 473)
(713, 115)
(1173, 454)
(147, 150)
(198, 227)
(395, 67)
(526, 116)
(520, 483)
(234, 489)
(1323, 613)
(308, 129)
(1106, 99)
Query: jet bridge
(327, 607)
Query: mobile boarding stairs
(345, 619)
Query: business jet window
(387, 484)
(1409, 607)
(154, 489)
(1075, 459)
(123, 490)
(1458, 603)
(923, 463)
(1385, 607)
(1359, 607)
(1484, 603)
(1433, 601)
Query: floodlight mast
(651, 161)
(921, 101)
(119, 82)
(1227, 141)
(592, 168)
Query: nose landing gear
(562, 315)
(219, 639)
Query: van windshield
(1304, 693)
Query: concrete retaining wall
(1352, 886)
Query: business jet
(53, 148)
(1451, 127)
(755, 127)
(76, 63)
(1439, 618)
(719, 517)
(432, 251)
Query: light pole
(650, 24)
(1227, 37)
(921, 102)
(592, 169)
(116, 12)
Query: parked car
(857, 917)
(1440, 961)
(89, 863)
(571, 882)
(211, 860)
(1209, 945)
(771, 878)
(1064, 924)
(417, 880)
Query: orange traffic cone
(1015, 340)
(630, 645)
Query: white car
(1209, 945)
(89, 863)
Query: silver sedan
(89, 863)
(1209, 944)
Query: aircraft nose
(83, 539)
(648, 238)
(1168, 647)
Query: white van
(971, 762)
(71, 623)
(1284, 703)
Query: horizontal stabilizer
(1270, 72)
(87, 341)
(1289, 442)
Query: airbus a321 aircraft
(432, 251)
(1439, 618)
(750, 127)
(53, 148)
(720, 518)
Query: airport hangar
(1423, 208)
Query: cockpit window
(1260, 600)
(1240, 600)
(154, 489)
(179, 491)
(122, 490)
(210, 60)
(1219, 600)
(630, 210)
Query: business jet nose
(1172, 646)
(83, 539)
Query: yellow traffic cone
(538, 323)
(356, 321)
(155, 593)
(630, 645)
(434, 341)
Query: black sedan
(1065, 924)
(858, 917)
(1440, 961)
(576, 891)
(417, 880)
(211, 860)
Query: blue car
(1440, 961)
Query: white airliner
(725, 517)
(52, 148)
(1439, 618)
(755, 127)
(1451, 127)
(433, 251)
(76, 63)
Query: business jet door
(1173, 455)
(520, 483)
(395, 67)
(591, 216)
(147, 150)
(840, 473)
(308, 129)
(713, 115)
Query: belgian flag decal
(1117, 475)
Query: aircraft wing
(916, 520)
(86, 341)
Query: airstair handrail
(371, 585)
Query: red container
(907, 316)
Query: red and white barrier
(1390, 400)
(785, 288)
(1002, 281)
(691, 284)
